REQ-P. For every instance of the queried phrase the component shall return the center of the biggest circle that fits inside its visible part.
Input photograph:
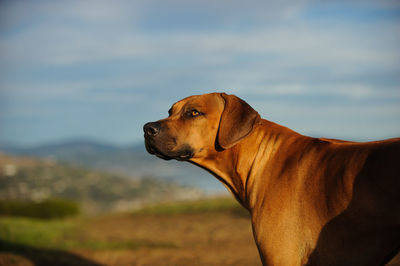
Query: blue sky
(101, 69)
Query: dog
(313, 201)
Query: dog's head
(199, 125)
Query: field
(206, 232)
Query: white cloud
(299, 44)
(352, 91)
(258, 48)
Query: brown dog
(312, 201)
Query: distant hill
(132, 161)
(32, 179)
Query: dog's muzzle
(152, 133)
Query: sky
(101, 69)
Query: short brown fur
(313, 201)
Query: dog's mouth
(182, 154)
(153, 150)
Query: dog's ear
(237, 121)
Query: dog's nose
(152, 128)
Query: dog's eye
(194, 113)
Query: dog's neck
(226, 172)
(238, 173)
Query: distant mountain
(25, 178)
(131, 160)
(63, 149)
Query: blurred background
(78, 79)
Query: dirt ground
(179, 239)
(189, 239)
(214, 238)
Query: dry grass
(216, 236)
(181, 239)
(211, 233)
